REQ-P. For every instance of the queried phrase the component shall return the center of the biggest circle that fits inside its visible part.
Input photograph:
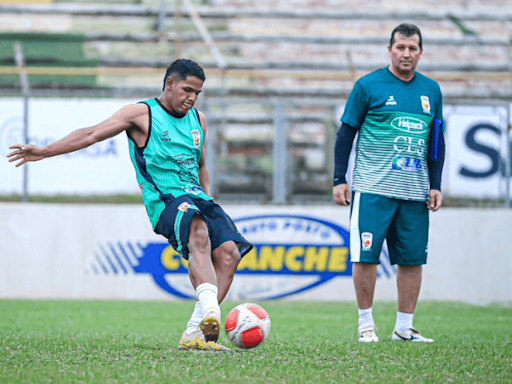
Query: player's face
(405, 54)
(182, 95)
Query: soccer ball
(247, 325)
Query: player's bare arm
(133, 118)
(204, 176)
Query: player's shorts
(403, 223)
(176, 218)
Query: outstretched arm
(126, 118)
(204, 176)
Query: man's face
(183, 94)
(405, 53)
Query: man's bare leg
(409, 284)
(365, 277)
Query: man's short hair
(182, 68)
(406, 30)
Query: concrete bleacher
(315, 44)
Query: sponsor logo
(192, 189)
(406, 164)
(196, 137)
(391, 100)
(165, 136)
(425, 104)
(366, 240)
(409, 124)
(409, 145)
(185, 160)
(292, 254)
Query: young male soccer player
(166, 138)
(396, 179)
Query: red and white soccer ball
(247, 325)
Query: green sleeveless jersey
(394, 118)
(168, 165)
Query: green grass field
(310, 342)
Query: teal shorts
(402, 223)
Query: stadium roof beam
(142, 11)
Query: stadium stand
(305, 54)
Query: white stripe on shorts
(355, 236)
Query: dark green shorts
(403, 223)
(176, 219)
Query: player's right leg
(183, 224)
(203, 277)
(370, 218)
(365, 276)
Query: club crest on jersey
(425, 104)
(196, 137)
(367, 240)
(183, 207)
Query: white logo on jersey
(409, 124)
(425, 104)
(391, 100)
(409, 145)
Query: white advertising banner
(103, 168)
(476, 138)
(477, 151)
(300, 253)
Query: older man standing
(397, 177)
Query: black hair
(406, 30)
(182, 68)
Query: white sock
(208, 295)
(195, 319)
(366, 316)
(403, 321)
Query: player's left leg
(409, 284)
(370, 218)
(228, 245)
(407, 243)
(226, 258)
